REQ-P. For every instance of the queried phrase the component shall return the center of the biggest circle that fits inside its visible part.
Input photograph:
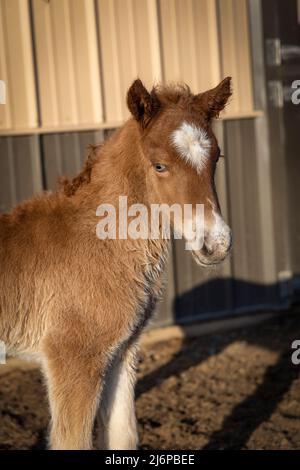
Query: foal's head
(181, 153)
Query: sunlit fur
(78, 304)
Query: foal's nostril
(207, 250)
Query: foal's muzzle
(217, 244)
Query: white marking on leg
(117, 409)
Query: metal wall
(68, 64)
(256, 187)
(64, 154)
(20, 170)
(282, 68)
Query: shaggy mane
(69, 187)
(173, 93)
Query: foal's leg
(117, 427)
(74, 386)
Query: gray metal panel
(63, 154)
(164, 312)
(203, 292)
(20, 170)
(264, 157)
(243, 185)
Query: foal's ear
(142, 104)
(214, 101)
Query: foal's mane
(69, 187)
(172, 93)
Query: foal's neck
(118, 170)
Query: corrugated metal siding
(189, 37)
(67, 62)
(72, 61)
(63, 154)
(20, 170)
(165, 314)
(129, 47)
(16, 66)
(235, 47)
(250, 287)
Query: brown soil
(235, 390)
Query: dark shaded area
(228, 295)
(256, 408)
(284, 120)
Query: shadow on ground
(234, 390)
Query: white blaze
(193, 144)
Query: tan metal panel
(235, 49)
(190, 42)
(16, 66)
(46, 67)
(5, 110)
(67, 62)
(129, 44)
(86, 60)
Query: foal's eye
(159, 167)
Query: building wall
(67, 64)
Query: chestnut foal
(77, 303)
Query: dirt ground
(235, 390)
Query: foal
(77, 303)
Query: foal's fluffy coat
(78, 304)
